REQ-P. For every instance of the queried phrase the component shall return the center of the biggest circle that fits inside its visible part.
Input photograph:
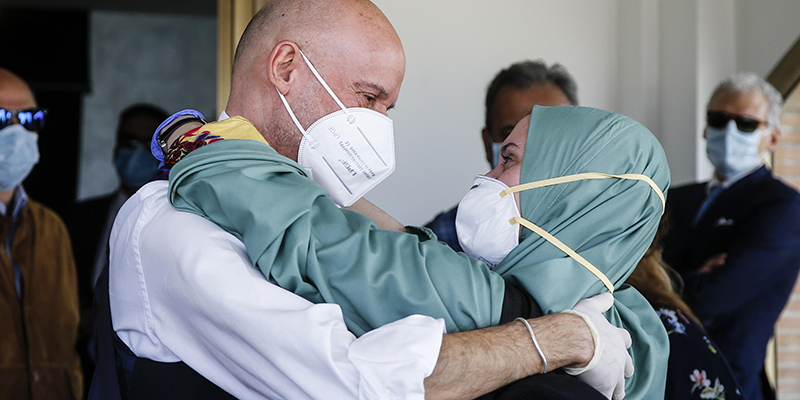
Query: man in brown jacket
(38, 288)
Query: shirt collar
(18, 202)
(730, 181)
(223, 116)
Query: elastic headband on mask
(311, 142)
(322, 81)
(584, 176)
(559, 244)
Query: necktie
(712, 194)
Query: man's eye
(370, 98)
(506, 159)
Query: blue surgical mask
(732, 151)
(496, 147)
(19, 152)
(136, 166)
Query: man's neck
(6, 197)
(730, 180)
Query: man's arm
(768, 241)
(476, 362)
(373, 212)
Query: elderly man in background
(735, 238)
(511, 95)
(38, 287)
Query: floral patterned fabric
(231, 128)
(190, 141)
(697, 369)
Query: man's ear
(487, 144)
(282, 65)
(772, 139)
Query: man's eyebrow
(379, 90)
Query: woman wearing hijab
(588, 193)
(603, 218)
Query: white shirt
(183, 289)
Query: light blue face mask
(19, 152)
(136, 166)
(732, 151)
(496, 147)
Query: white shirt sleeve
(182, 289)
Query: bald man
(38, 287)
(200, 307)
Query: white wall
(766, 29)
(657, 61)
(453, 49)
(166, 60)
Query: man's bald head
(312, 24)
(351, 44)
(14, 92)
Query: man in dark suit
(736, 239)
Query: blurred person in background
(90, 221)
(510, 96)
(734, 239)
(38, 288)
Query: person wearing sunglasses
(38, 284)
(734, 239)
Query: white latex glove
(611, 363)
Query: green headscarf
(609, 222)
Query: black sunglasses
(719, 120)
(31, 118)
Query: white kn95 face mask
(348, 152)
(482, 221)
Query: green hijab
(609, 222)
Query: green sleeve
(304, 243)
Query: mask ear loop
(325, 85)
(311, 142)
